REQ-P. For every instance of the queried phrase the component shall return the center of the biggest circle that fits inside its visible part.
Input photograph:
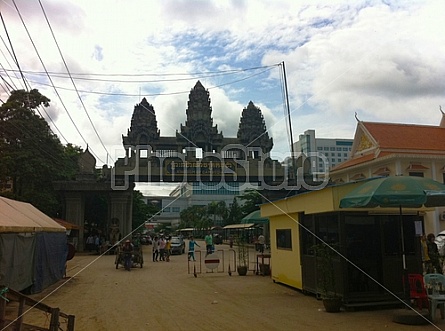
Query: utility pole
(294, 168)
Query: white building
(186, 195)
(324, 153)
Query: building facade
(323, 153)
(390, 149)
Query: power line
(66, 66)
(153, 94)
(194, 74)
(49, 77)
(15, 71)
(12, 49)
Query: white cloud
(383, 60)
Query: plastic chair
(417, 290)
(435, 286)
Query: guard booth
(370, 259)
(368, 240)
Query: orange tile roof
(400, 138)
(407, 136)
(354, 161)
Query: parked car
(146, 240)
(177, 245)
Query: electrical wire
(194, 74)
(49, 77)
(75, 87)
(152, 94)
(12, 50)
(5, 70)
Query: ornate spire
(199, 129)
(144, 127)
(252, 130)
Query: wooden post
(70, 326)
(2, 312)
(19, 321)
(54, 323)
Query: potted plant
(326, 277)
(243, 257)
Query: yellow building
(368, 267)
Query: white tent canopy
(17, 217)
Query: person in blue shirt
(192, 244)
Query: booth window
(284, 239)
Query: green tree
(195, 217)
(234, 213)
(31, 155)
(217, 211)
(251, 201)
(141, 211)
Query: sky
(379, 61)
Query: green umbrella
(396, 191)
(255, 217)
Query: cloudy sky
(384, 60)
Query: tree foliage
(217, 211)
(31, 155)
(251, 200)
(234, 213)
(141, 211)
(195, 217)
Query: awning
(255, 217)
(240, 226)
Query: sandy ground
(165, 296)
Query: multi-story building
(323, 153)
(186, 195)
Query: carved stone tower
(144, 127)
(199, 130)
(252, 130)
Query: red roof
(401, 139)
(407, 136)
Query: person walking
(433, 253)
(261, 243)
(162, 244)
(155, 244)
(192, 244)
(168, 249)
(209, 243)
(90, 242)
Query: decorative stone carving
(252, 130)
(198, 130)
(144, 127)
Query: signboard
(200, 168)
(212, 261)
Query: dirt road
(164, 296)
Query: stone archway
(77, 191)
